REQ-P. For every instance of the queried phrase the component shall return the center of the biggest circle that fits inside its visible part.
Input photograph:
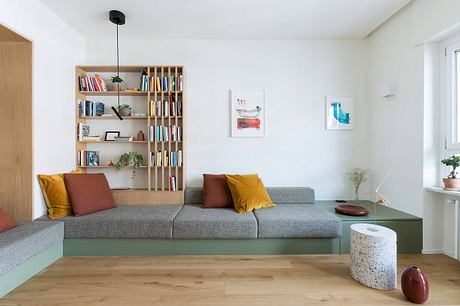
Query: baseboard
(432, 251)
(15, 277)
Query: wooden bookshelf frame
(157, 188)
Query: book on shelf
(144, 81)
(123, 138)
(165, 158)
(165, 83)
(84, 133)
(89, 83)
(88, 158)
(90, 109)
(166, 108)
(165, 133)
(172, 183)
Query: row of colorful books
(88, 158)
(165, 158)
(165, 83)
(90, 108)
(172, 183)
(165, 133)
(166, 108)
(89, 83)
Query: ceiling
(230, 19)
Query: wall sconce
(388, 90)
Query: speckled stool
(373, 256)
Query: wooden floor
(224, 280)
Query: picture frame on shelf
(110, 135)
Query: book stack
(90, 108)
(144, 81)
(88, 158)
(165, 158)
(84, 133)
(123, 138)
(172, 183)
(88, 83)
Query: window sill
(442, 191)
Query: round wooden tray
(351, 210)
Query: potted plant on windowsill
(452, 182)
(131, 159)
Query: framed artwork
(339, 113)
(248, 113)
(110, 135)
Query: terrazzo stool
(373, 256)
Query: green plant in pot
(131, 159)
(124, 110)
(116, 81)
(452, 182)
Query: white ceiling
(257, 19)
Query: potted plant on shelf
(124, 110)
(116, 81)
(451, 182)
(131, 159)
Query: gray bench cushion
(29, 239)
(123, 221)
(297, 221)
(279, 195)
(195, 222)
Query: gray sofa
(27, 240)
(295, 216)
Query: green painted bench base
(151, 247)
(28, 269)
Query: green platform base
(14, 278)
(152, 247)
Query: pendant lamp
(118, 18)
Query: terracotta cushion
(6, 222)
(216, 193)
(88, 193)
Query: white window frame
(452, 97)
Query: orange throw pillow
(6, 222)
(248, 192)
(55, 194)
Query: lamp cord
(118, 72)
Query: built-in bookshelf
(156, 95)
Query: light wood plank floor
(225, 280)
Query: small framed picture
(110, 135)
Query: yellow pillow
(248, 192)
(56, 196)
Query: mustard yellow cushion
(248, 192)
(55, 194)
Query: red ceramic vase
(414, 285)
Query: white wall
(56, 50)
(404, 130)
(297, 151)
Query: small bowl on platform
(351, 210)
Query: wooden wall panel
(16, 175)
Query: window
(452, 53)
